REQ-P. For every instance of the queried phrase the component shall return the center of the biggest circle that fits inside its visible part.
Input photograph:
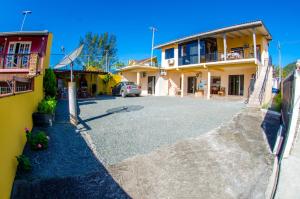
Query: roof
(238, 27)
(142, 61)
(25, 33)
(78, 72)
(135, 67)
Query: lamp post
(25, 13)
(153, 29)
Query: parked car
(126, 88)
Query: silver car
(126, 88)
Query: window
(169, 54)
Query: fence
(290, 110)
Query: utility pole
(279, 61)
(25, 13)
(153, 29)
(106, 60)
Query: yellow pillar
(208, 84)
(182, 84)
(138, 78)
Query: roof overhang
(138, 67)
(257, 25)
(25, 33)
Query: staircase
(256, 98)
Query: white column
(72, 103)
(254, 43)
(208, 84)
(176, 55)
(138, 78)
(225, 47)
(199, 48)
(182, 84)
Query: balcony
(13, 63)
(215, 57)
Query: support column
(138, 78)
(225, 46)
(72, 103)
(182, 84)
(199, 50)
(208, 84)
(254, 44)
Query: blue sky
(130, 21)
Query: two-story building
(225, 62)
(23, 55)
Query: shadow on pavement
(270, 125)
(67, 169)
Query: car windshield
(129, 83)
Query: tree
(49, 82)
(286, 70)
(98, 47)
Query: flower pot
(42, 119)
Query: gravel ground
(229, 162)
(121, 128)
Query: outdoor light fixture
(25, 13)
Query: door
(236, 85)
(18, 54)
(151, 85)
(191, 84)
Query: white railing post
(254, 44)
(225, 46)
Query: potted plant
(45, 114)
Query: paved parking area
(121, 128)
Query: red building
(22, 56)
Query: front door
(236, 85)
(192, 84)
(151, 85)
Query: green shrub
(277, 102)
(107, 78)
(37, 141)
(24, 163)
(50, 83)
(47, 106)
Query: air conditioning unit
(163, 72)
(171, 61)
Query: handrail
(263, 88)
(18, 60)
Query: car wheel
(138, 95)
(123, 94)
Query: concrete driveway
(119, 128)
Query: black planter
(42, 119)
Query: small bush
(24, 163)
(47, 106)
(107, 78)
(49, 83)
(277, 102)
(38, 141)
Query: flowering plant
(37, 141)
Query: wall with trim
(15, 116)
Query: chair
(222, 92)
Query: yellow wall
(16, 111)
(106, 89)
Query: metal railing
(15, 87)
(17, 61)
(214, 57)
(186, 60)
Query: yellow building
(230, 61)
(23, 58)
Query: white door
(18, 54)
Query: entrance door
(151, 85)
(236, 85)
(18, 54)
(192, 84)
